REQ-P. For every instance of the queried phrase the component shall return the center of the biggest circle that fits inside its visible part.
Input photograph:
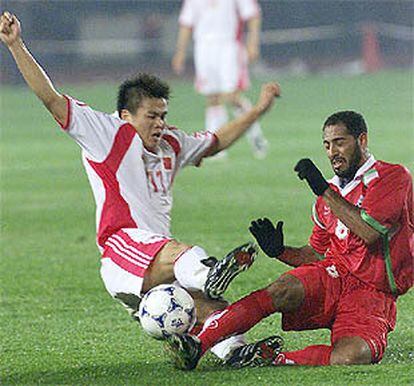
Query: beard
(354, 164)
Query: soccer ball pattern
(166, 309)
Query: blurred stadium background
(77, 40)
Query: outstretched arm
(296, 257)
(34, 75)
(233, 130)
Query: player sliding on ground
(131, 163)
(358, 261)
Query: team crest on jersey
(167, 162)
(332, 272)
(360, 201)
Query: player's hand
(307, 170)
(10, 30)
(268, 237)
(269, 92)
(178, 62)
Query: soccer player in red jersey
(358, 261)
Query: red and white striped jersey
(217, 19)
(131, 186)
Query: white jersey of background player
(131, 164)
(221, 57)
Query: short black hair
(353, 121)
(133, 90)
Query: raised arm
(233, 130)
(34, 75)
(349, 214)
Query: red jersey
(384, 192)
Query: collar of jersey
(356, 180)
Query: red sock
(319, 355)
(236, 318)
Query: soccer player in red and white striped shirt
(131, 162)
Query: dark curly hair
(353, 121)
(132, 91)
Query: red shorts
(337, 300)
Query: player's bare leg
(287, 293)
(205, 306)
(161, 270)
(351, 350)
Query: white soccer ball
(167, 309)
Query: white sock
(255, 130)
(216, 116)
(190, 272)
(226, 346)
(223, 348)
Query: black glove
(268, 237)
(307, 170)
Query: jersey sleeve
(319, 239)
(248, 8)
(94, 131)
(193, 147)
(386, 195)
(186, 17)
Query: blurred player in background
(131, 162)
(221, 58)
(358, 261)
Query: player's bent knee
(213, 100)
(232, 98)
(171, 252)
(351, 351)
(287, 293)
(161, 270)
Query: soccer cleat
(185, 350)
(225, 270)
(259, 354)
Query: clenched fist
(269, 92)
(9, 29)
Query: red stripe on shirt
(116, 213)
(173, 142)
(65, 126)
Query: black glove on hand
(307, 170)
(268, 237)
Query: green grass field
(58, 324)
